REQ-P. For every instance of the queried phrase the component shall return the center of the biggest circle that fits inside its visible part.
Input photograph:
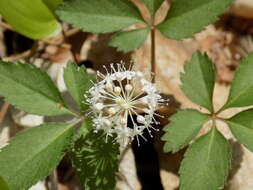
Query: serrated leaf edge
(228, 103)
(119, 48)
(215, 18)
(48, 144)
(230, 156)
(165, 129)
(75, 25)
(183, 74)
(229, 122)
(61, 104)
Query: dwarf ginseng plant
(207, 161)
(93, 136)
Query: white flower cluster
(113, 100)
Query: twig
(34, 48)
(16, 57)
(3, 111)
(69, 33)
(23, 55)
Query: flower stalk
(153, 50)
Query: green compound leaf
(52, 4)
(186, 18)
(33, 154)
(30, 89)
(242, 86)
(33, 20)
(241, 126)
(184, 126)
(153, 5)
(78, 81)
(206, 163)
(198, 80)
(95, 161)
(100, 16)
(130, 40)
(3, 184)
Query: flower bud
(117, 90)
(141, 119)
(99, 106)
(111, 111)
(128, 87)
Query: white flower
(113, 101)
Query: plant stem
(153, 54)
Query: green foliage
(100, 16)
(186, 18)
(201, 167)
(95, 160)
(78, 81)
(153, 5)
(184, 126)
(242, 86)
(130, 40)
(33, 20)
(3, 184)
(30, 89)
(206, 163)
(52, 4)
(33, 154)
(241, 126)
(198, 80)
